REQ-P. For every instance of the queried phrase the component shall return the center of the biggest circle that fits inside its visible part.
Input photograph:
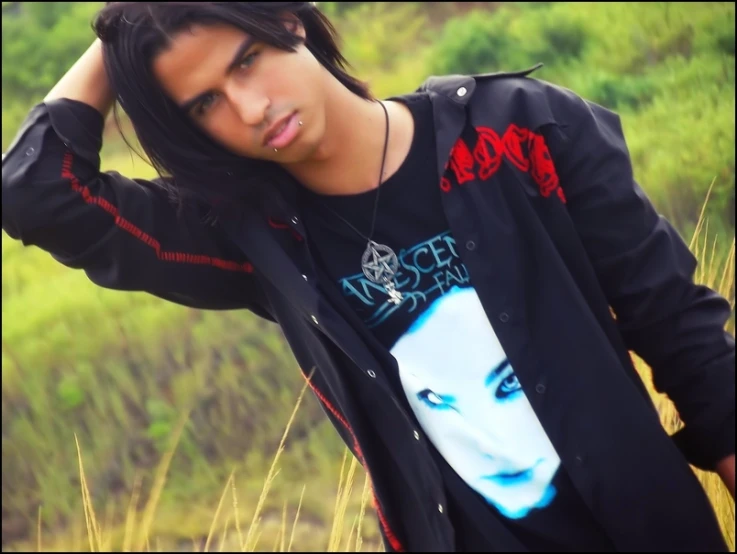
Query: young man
(445, 262)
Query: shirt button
(295, 220)
(371, 373)
(579, 460)
(417, 435)
(504, 317)
(30, 151)
(470, 245)
(540, 388)
(462, 91)
(440, 508)
(314, 320)
(304, 277)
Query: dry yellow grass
(720, 276)
(137, 537)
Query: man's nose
(250, 105)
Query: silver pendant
(380, 264)
(395, 297)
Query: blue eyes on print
(435, 401)
(507, 388)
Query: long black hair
(191, 164)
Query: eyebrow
(495, 372)
(242, 49)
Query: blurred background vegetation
(117, 371)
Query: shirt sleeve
(647, 273)
(123, 232)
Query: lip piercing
(300, 124)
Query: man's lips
(278, 133)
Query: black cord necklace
(379, 262)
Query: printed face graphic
(467, 397)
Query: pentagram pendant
(379, 263)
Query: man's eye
(249, 59)
(435, 401)
(207, 102)
(204, 104)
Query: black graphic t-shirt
(452, 368)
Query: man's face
(236, 90)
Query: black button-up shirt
(569, 258)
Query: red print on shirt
(515, 147)
(543, 170)
(526, 150)
(461, 162)
(488, 152)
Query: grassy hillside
(116, 372)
